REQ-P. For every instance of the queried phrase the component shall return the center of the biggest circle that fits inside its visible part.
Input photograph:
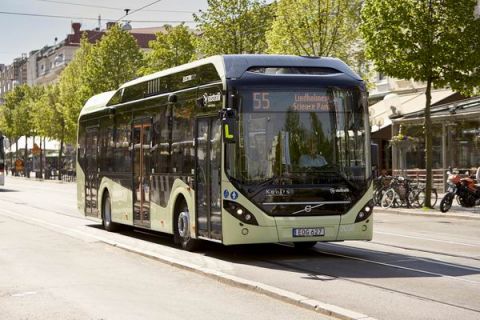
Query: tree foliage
(435, 41)
(114, 60)
(315, 28)
(171, 48)
(15, 121)
(73, 88)
(421, 40)
(233, 27)
(47, 114)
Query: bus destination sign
(295, 101)
(310, 102)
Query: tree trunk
(428, 143)
(60, 164)
(16, 148)
(12, 164)
(25, 159)
(41, 157)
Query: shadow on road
(326, 261)
(7, 190)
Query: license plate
(308, 232)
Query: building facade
(12, 75)
(46, 64)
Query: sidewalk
(457, 211)
(32, 178)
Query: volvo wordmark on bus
(234, 149)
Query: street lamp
(126, 25)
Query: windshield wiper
(268, 181)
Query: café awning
(399, 104)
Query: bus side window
(161, 143)
(81, 145)
(122, 142)
(182, 139)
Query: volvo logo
(339, 190)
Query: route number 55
(261, 101)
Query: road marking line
(414, 258)
(429, 239)
(397, 267)
(23, 294)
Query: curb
(38, 179)
(429, 214)
(273, 292)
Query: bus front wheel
(182, 229)
(107, 214)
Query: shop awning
(399, 104)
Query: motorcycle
(466, 190)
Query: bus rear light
(239, 212)
(365, 212)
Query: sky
(22, 34)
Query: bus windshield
(300, 137)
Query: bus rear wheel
(107, 214)
(182, 229)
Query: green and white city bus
(2, 162)
(234, 149)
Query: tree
(17, 114)
(315, 28)
(48, 118)
(233, 27)
(435, 41)
(171, 48)
(73, 89)
(114, 60)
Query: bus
(2, 162)
(234, 149)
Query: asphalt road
(415, 268)
(49, 270)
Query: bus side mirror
(228, 125)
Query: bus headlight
(239, 212)
(365, 212)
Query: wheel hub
(183, 223)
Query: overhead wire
(89, 18)
(110, 8)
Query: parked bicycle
(380, 185)
(405, 192)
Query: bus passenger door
(207, 187)
(141, 139)
(91, 172)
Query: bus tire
(107, 214)
(304, 245)
(182, 228)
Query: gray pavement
(48, 275)
(417, 266)
(456, 211)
